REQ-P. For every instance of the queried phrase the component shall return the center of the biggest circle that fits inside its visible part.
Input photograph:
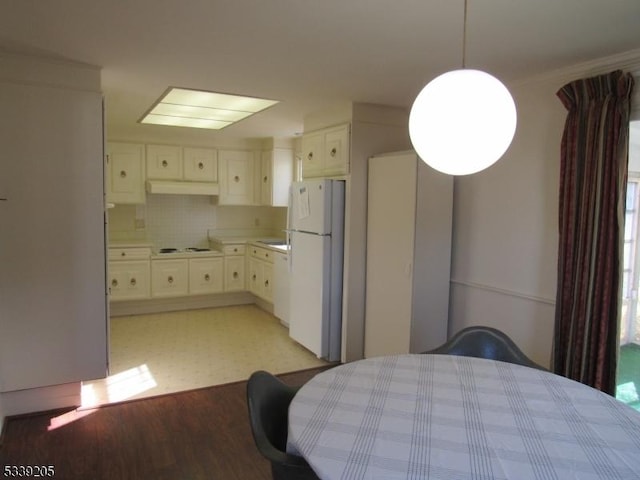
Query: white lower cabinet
(281, 287)
(129, 273)
(261, 273)
(169, 278)
(234, 274)
(129, 280)
(205, 275)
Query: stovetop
(183, 250)
(167, 252)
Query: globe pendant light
(462, 121)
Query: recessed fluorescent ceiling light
(183, 107)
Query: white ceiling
(309, 54)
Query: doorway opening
(628, 373)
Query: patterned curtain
(593, 171)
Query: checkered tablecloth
(459, 418)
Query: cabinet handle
(165, 164)
(133, 282)
(200, 165)
(123, 174)
(235, 249)
(310, 156)
(207, 277)
(333, 152)
(266, 255)
(264, 179)
(237, 179)
(114, 283)
(253, 277)
(123, 254)
(170, 279)
(266, 283)
(235, 274)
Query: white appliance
(316, 236)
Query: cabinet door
(336, 151)
(255, 276)
(267, 282)
(390, 254)
(125, 173)
(129, 280)
(312, 155)
(236, 177)
(266, 178)
(164, 162)
(234, 267)
(205, 275)
(200, 164)
(277, 175)
(169, 278)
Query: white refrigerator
(316, 236)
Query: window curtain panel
(593, 172)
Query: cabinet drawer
(260, 253)
(130, 253)
(236, 249)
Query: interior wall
(505, 231)
(2, 415)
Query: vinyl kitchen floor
(174, 351)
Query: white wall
(2, 414)
(505, 230)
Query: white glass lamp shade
(462, 122)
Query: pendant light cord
(464, 37)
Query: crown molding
(628, 61)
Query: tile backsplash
(182, 221)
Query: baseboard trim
(158, 305)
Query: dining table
(427, 416)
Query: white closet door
(53, 323)
(390, 246)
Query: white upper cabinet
(312, 154)
(164, 162)
(125, 173)
(237, 172)
(276, 178)
(200, 164)
(325, 153)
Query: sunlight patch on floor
(118, 387)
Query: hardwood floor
(197, 434)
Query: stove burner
(189, 249)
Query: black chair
(268, 399)
(485, 342)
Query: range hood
(182, 188)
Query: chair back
(268, 400)
(485, 342)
